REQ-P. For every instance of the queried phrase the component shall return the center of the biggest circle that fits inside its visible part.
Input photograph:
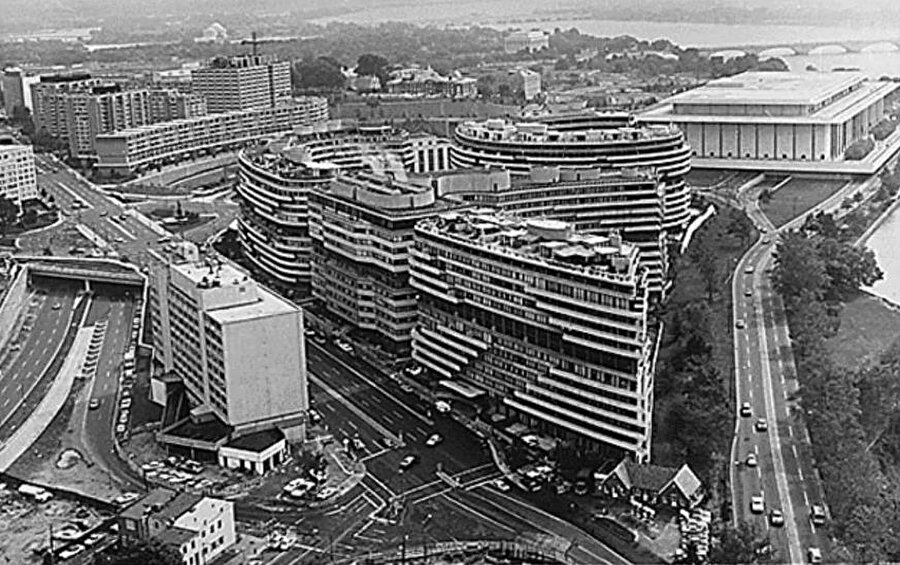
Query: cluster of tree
(9, 213)
(890, 183)
(696, 416)
(739, 545)
(858, 150)
(138, 552)
(848, 413)
(884, 128)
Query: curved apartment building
(586, 141)
(277, 178)
(550, 324)
(629, 201)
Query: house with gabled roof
(653, 485)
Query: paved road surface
(766, 378)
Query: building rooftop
(178, 506)
(771, 88)
(269, 304)
(156, 498)
(551, 242)
(256, 442)
(498, 130)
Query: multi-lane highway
(784, 474)
(46, 321)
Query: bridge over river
(807, 48)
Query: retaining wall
(13, 302)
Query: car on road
(817, 514)
(757, 504)
(776, 518)
(442, 406)
(751, 460)
(740, 324)
(407, 388)
(433, 440)
(407, 462)
(814, 555)
(749, 270)
(57, 305)
(103, 213)
(746, 410)
(767, 241)
(120, 240)
(94, 404)
(343, 346)
(501, 485)
(748, 293)
(15, 347)
(71, 551)
(761, 425)
(414, 371)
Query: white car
(757, 504)
(345, 347)
(71, 551)
(93, 539)
(120, 429)
(442, 406)
(501, 485)
(752, 460)
(125, 498)
(126, 403)
(433, 440)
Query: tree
(799, 271)
(318, 73)
(369, 64)
(744, 544)
(143, 552)
(848, 268)
(8, 214)
(702, 255)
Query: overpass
(807, 48)
(87, 270)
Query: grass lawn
(798, 196)
(868, 328)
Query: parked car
(817, 514)
(501, 485)
(814, 555)
(71, 551)
(442, 406)
(740, 324)
(408, 462)
(433, 440)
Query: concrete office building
(531, 41)
(630, 201)
(545, 323)
(362, 230)
(777, 117)
(137, 150)
(16, 86)
(18, 178)
(235, 347)
(247, 82)
(582, 141)
(276, 180)
(49, 102)
(199, 528)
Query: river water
(884, 243)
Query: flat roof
(269, 304)
(256, 442)
(771, 88)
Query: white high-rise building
(18, 179)
(243, 83)
(237, 348)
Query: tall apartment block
(237, 348)
(78, 111)
(362, 231)
(16, 86)
(243, 83)
(276, 181)
(18, 178)
(594, 201)
(546, 323)
(169, 104)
